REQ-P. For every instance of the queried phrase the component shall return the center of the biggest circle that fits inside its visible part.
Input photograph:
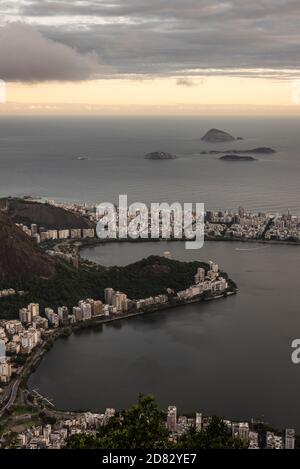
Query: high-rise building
(109, 413)
(77, 313)
(86, 310)
(52, 317)
(172, 419)
(25, 316)
(5, 370)
(63, 314)
(40, 323)
(120, 301)
(270, 440)
(52, 234)
(44, 236)
(108, 295)
(91, 302)
(98, 308)
(289, 438)
(34, 229)
(198, 422)
(242, 212)
(2, 349)
(278, 442)
(29, 339)
(253, 440)
(34, 308)
(214, 267)
(88, 233)
(244, 430)
(200, 275)
(75, 233)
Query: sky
(149, 56)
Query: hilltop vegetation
(151, 276)
(42, 214)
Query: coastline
(79, 245)
(33, 361)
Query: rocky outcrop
(216, 136)
(237, 158)
(160, 155)
(254, 151)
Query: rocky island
(160, 155)
(234, 157)
(254, 151)
(217, 136)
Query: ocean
(231, 357)
(38, 157)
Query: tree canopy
(143, 426)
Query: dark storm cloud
(170, 37)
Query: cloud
(27, 56)
(188, 82)
(172, 37)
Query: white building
(2, 350)
(108, 295)
(289, 438)
(172, 419)
(5, 370)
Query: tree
(215, 436)
(140, 427)
(143, 426)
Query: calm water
(38, 157)
(230, 357)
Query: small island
(254, 151)
(260, 151)
(217, 136)
(234, 157)
(160, 155)
(81, 158)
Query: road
(12, 398)
(15, 386)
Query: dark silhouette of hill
(43, 215)
(20, 257)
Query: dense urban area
(25, 340)
(241, 225)
(68, 432)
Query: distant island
(160, 155)
(217, 136)
(235, 157)
(254, 151)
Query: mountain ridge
(20, 256)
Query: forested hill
(20, 256)
(42, 214)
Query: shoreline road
(12, 398)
